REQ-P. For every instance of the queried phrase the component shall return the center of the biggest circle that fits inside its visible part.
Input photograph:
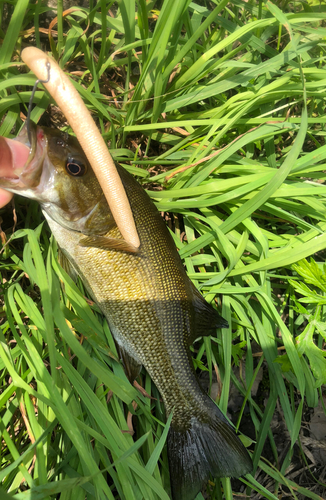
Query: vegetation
(218, 109)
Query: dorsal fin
(207, 319)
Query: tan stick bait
(89, 137)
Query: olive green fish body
(153, 309)
(146, 297)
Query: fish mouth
(13, 158)
(20, 162)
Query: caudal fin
(208, 446)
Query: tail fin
(208, 446)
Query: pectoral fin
(104, 243)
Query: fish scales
(148, 290)
(152, 308)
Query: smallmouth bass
(152, 308)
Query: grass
(222, 106)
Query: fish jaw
(14, 156)
(39, 172)
(21, 165)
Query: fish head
(55, 171)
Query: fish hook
(28, 119)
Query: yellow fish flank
(153, 309)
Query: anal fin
(131, 366)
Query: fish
(153, 309)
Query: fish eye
(75, 167)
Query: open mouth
(13, 158)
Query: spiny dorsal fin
(105, 243)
